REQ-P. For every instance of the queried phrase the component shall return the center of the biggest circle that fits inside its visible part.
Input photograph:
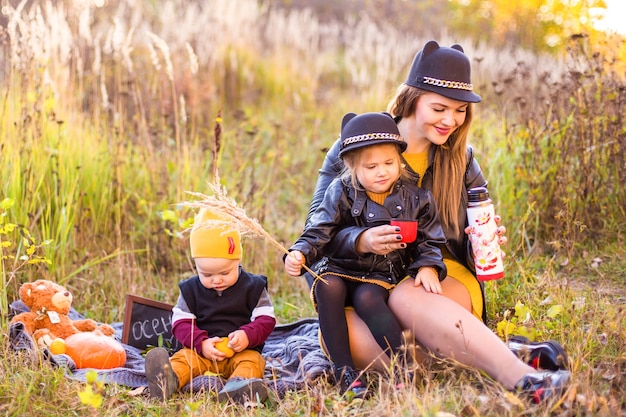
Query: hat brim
(453, 93)
(354, 146)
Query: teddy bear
(48, 319)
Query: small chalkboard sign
(145, 320)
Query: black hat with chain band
(369, 129)
(443, 70)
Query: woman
(433, 111)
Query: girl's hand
(380, 240)
(293, 263)
(428, 277)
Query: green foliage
(17, 250)
(98, 149)
(565, 152)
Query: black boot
(545, 385)
(540, 355)
(244, 391)
(351, 383)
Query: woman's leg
(457, 292)
(366, 353)
(448, 329)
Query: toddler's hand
(238, 340)
(209, 350)
(293, 263)
(428, 277)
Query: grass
(103, 131)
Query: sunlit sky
(615, 16)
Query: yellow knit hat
(212, 237)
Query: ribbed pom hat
(368, 129)
(212, 237)
(443, 70)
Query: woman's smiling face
(437, 117)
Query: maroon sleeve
(187, 333)
(258, 330)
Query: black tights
(370, 303)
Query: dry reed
(228, 208)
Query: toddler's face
(378, 167)
(217, 273)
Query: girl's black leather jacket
(456, 243)
(346, 209)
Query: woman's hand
(500, 232)
(380, 240)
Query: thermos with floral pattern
(482, 235)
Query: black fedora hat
(443, 70)
(368, 129)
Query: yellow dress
(419, 162)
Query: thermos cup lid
(478, 194)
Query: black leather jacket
(456, 243)
(345, 209)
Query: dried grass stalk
(224, 205)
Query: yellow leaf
(521, 312)
(169, 215)
(514, 399)
(7, 203)
(88, 397)
(91, 376)
(505, 328)
(555, 310)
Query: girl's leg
(331, 302)
(448, 329)
(370, 303)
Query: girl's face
(378, 167)
(437, 117)
(217, 273)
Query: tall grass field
(112, 111)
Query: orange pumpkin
(95, 350)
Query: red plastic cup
(408, 229)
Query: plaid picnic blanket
(292, 352)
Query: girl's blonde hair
(450, 159)
(352, 159)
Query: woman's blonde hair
(450, 159)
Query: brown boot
(162, 381)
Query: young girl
(372, 191)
